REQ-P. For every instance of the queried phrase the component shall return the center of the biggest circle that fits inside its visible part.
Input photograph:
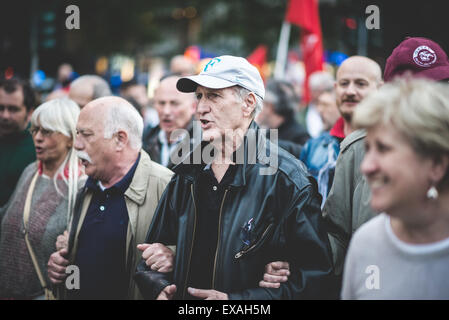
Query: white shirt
(314, 122)
(166, 148)
(381, 266)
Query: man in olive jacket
(116, 206)
(232, 213)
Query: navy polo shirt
(101, 254)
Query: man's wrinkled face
(219, 110)
(175, 108)
(94, 150)
(14, 116)
(355, 80)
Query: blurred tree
(126, 27)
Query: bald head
(182, 65)
(112, 114)
(108, 140)
(174, 108)
(104, 103)
(87, 88)
(357, 77)
(362, 65)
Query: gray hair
(99, 85)
(417, 108)
(123, 116)
(321, 81)
(60, 115)
(242, 93)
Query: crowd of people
(219, 187)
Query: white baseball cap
(224, 72)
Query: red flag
(258, 58)
(304, 13)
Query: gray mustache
(84, 156)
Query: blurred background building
(124, 40)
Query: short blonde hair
(417, 108)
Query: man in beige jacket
(115, 208)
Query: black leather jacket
(285, 208)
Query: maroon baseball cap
(419, 56)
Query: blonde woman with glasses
(41, 206)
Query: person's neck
(123, 164)
(430, 225)
(225, 150)
(347, 128)
(49, 168)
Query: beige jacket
(141, 198)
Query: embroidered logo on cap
(424, 56)
(211, 63)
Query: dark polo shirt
(210, 197)
(101, 254)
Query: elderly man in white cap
(232, 212)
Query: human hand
(208, 294)
(62, 241)
(167, 293)
(157, 256)
(275, 273)
(57, 265)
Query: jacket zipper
(245, 251)
(191, 248)
(218, 239)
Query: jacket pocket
(255, 244)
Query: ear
(121, 139)
(249, 104)
(439, 169)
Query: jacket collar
(251, 154)
(137, 190)
(139, 183)
(338, 129)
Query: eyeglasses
(46, 133)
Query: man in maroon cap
(417, 57)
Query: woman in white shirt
(403, 253)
